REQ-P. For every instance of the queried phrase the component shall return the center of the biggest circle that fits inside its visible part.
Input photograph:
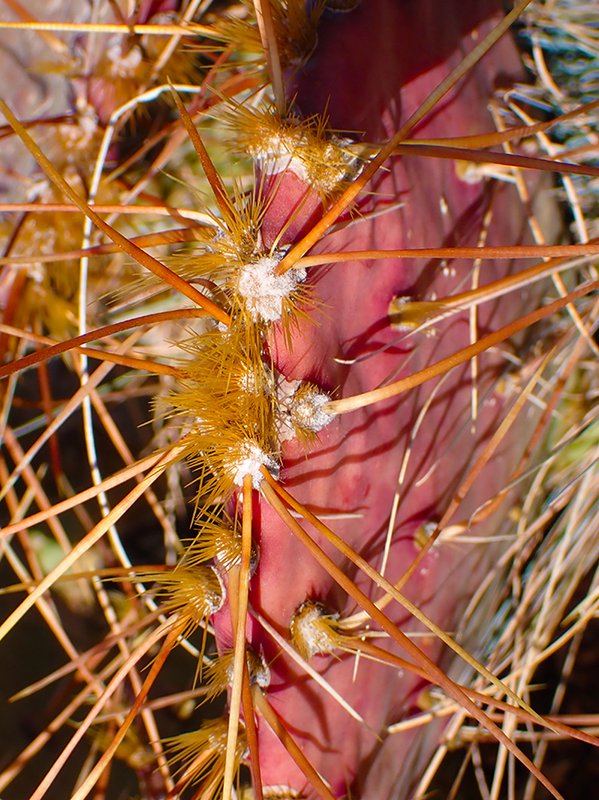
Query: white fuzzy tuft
(308, 411)
(264, 291)
(301, 408)
(122, 65)
(308, 634)
(248, 460)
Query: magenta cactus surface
(372, 68)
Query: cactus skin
(371, 68)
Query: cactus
(360, 368)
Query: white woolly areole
(214, 599)
(279, 154)
(259, 671)
(122, 66)
(260, 674)
(310, 637)
(264, 291)
(308, 411)
(256, 384)
(301, 409)
(285, 391)
(248, 460)
(274, 164)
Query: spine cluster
(235, 409)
